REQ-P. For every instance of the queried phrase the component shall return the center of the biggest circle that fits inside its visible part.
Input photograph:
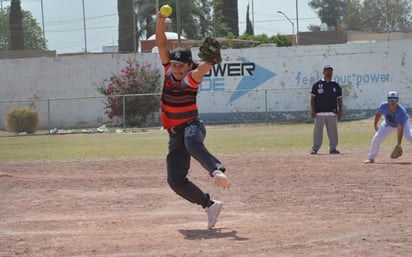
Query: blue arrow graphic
(247, 83)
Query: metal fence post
(124, 111)
(49, 115)
(266, 105)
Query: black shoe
(334, 152)
(313, 152)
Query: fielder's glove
(209, 51)
(397, 151)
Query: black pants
(183, 145)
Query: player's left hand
(397, 152)
(209, 51)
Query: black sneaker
(334, 152)
(313, 152)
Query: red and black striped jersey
(178, 99)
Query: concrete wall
(360, 36)
(322, 37)
(269, 83)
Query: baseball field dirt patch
(289, 204)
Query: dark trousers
(183, 145)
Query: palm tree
(126, 26)
(33, 34)
(225, 18)
(231, 17)
(197, 24)
(141, 24)
(145, 13)
(16, 26)
(190, 24)
(205, 18)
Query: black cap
(181, 55)
(327, 67)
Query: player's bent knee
(176, 183)
(194, 146)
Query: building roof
(169, 35)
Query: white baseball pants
(383, 132)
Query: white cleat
(369, 161)
(220, 179)
(213, 212)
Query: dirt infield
(291, 204)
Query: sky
(267, 20)
(64, 25)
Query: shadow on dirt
(393, 163)
(199, 234)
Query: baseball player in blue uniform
(395, 119)
(326, 109)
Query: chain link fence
(217, 107)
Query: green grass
(220, 140)
(286, 137)
(82, 146)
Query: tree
(230, 16)
(205, 18)
(33, 34)
(330, 12)
(220, 28)
(194, 26)
(132, 93)
(225, 17)
(314, 28)
(199, 23)
(353, 19)
(126, 27)
(386, 16)
(16, 26)
(145, 13)
(249, 27)
(367, 15)
(279, 40)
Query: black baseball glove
(209, 51)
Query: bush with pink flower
(133, 94)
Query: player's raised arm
(209, 53)
(161, 40)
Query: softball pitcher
(180, 117)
